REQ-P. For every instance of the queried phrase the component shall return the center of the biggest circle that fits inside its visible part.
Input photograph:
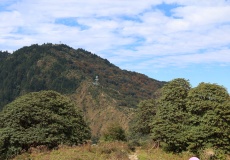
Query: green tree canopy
(209, 109)
(40, 118)
(170, 121)
(145, 113)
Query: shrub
(40, 118)
(114, 132)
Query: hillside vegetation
(72, 72)
(63, 69)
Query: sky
(163, 39)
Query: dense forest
(63, 69)
(50, 97)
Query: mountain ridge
(72, 72)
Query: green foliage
(34, 68)
(40, 118)
(209, 109)
(114, 132)
(193, 119)
(170, 121)
(144, 115)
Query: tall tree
(209, 109)
(171, 117)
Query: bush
(114, 132)
(40, 118)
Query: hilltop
(72, 72)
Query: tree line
(187, 119)
(181, 118)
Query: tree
(40, 118)
(209, 109)
(170, 121)
(145, 113)
(114, 132)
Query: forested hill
(71, 71)
(3, 55)
(62, 68)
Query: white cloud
(124, 31)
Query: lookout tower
(96, 81)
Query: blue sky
(164, 39)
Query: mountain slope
(72, 72)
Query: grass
(158, 154)
(102, 151)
